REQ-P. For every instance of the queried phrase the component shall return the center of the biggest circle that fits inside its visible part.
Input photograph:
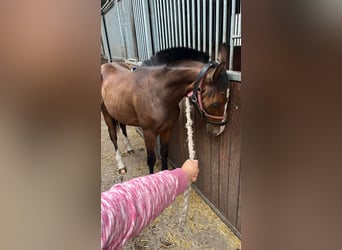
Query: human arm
(127, 208)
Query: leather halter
(195, 96)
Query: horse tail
(104, 110)
(107, 116)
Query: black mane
(170, 56)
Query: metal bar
(107, 40)
(165, 25)
(193, 11)
(142, 31)
(198, 25)
(210, 28)
(236, 28)
(133, 29)
(176, 25)
(127, 30)
(169, 22)
(121, 32)
(160, 23)
(141, 28)
(234, 75)
(180, 24)
(225, 21)
(137, 33)
(204, 25)
(107, 6)
(161, 16)
(172, 24)
(217, 29)
(163, 22)
(157, 20)
(154, 27)
(188, 19)
(239, 28)
(231, 45)
(147, 29)
(124, 27)
(184, 24)
(138, 29)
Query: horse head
(210, 96)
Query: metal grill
(137, 29)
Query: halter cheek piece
(196, 97)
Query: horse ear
(223, 54)
(215, 74)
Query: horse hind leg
(150, 143)
(121, 167)
(126, 140)
(112, 130)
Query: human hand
(190, 167)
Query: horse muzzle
(215, 130)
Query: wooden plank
(238, 222)
(206, 166)
(214, 169)
(234, 167)
(224, 166)
(203, 155)
(199, 151)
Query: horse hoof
(122, 171)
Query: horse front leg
(164, 147)
(150, 143)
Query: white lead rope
(192, 153)
(190, 132)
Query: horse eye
(214, 105)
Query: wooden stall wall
(219, 160)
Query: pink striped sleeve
(127, 208)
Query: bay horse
(149, 97)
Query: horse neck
(180, 81)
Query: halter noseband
(196, 97)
